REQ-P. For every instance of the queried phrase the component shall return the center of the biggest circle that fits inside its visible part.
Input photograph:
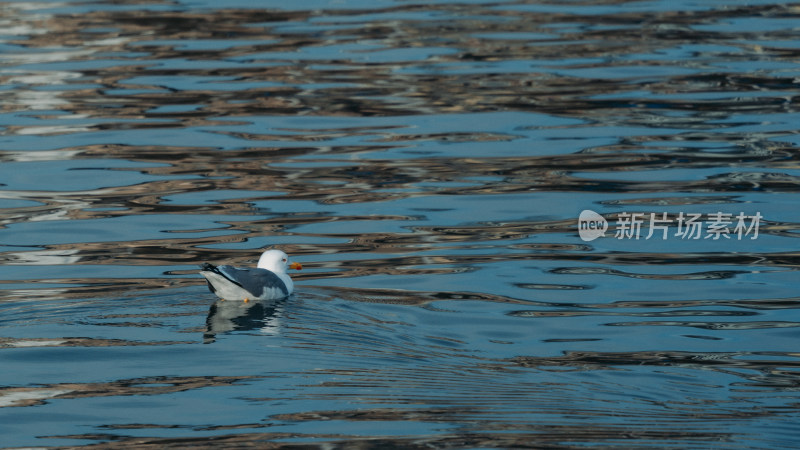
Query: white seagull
(269, 281)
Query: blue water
(427, 164)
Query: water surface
(427, 164)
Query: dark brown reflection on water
(253, 63)
(758, 369)
(261, 49)
(140, 386)
(561, 437)
(77, 342)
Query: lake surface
(427, 163)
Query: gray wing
(253, 281)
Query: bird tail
(208, 267)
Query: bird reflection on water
(225, 316)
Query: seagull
(269, 281)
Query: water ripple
(427, 164)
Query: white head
(276, 261)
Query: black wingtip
(208, 267)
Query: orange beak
(295, 265)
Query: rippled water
(427, 164)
